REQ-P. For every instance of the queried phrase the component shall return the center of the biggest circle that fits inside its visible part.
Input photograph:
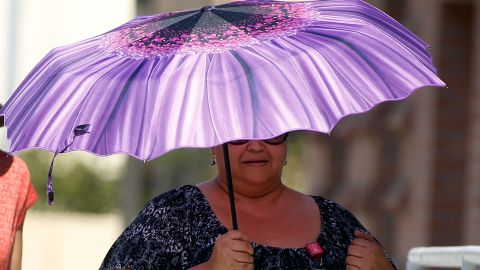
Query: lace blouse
(177, 230)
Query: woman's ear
(216, 150)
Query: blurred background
(410, 170)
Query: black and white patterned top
(177, 230)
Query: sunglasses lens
(277, 140)
(238, 142)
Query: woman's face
(253, 163)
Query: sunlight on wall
(68, 241)
(32, 28)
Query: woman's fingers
(362, 248)
(243, 257)
(242, 246)
(241, 241)
(365, 253)
(236, 241)
(362, 242)
(236, 235)
(231, 251)
(352, 263)
(356, 251)
(364, 235)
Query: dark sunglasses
(273, 141)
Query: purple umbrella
(203, 77)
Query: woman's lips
(255, 162)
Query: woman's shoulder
(180, 193)
(167, 210)
(13, 167)
(158, 236)
(328, 204)
(180, 197)
(334, 211)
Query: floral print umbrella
(198, 78)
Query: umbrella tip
(207, 8)
(51, 197)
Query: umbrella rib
(207, 91)
(184, 103)
(39, 96)
(86, 98)
(252, 87)
(189, 17)
(253, 11)
(274, 65)
(140, 139)
(165, 63)
(120, 99)
(359, 53)
(321, 74)
(289, 82)
(305, 85)
(80, 107)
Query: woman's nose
(255, 145)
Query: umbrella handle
(230, 186)
(78, 131)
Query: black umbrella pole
(228, 171)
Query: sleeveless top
(17, 195)
(177, 230)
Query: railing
(464, 257)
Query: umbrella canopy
(202, 77)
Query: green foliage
(180, 167)
(293, 173)
(80, 187)
(77, 187)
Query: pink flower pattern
(208, 30)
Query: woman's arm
(16, 259)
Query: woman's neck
(253, 194)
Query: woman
(17, 195)
(188, 228)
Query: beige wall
(63, 241)
(54, 241)
(5, 7)
(42, 25)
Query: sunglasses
(273, 141)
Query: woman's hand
(365, 253)
(231, 251)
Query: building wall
(472, 187)
(426, 189)
(419, 151)
(452, 123)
